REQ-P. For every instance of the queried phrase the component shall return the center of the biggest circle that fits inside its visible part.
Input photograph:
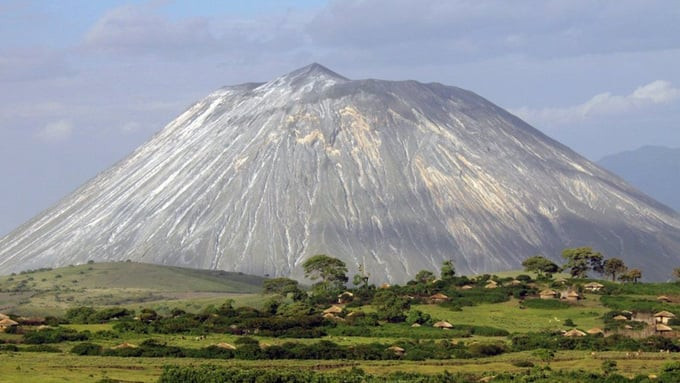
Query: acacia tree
(676, 273)
(331, 271)
(424, 276)
(632, 275)
(361, 280)
(614, 266)
(284, 287)
(540, 265)
(448, 271)
(580, 260)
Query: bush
(87, 349)
(481, 349)
(56, 335)
(41, 348)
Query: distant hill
(135, 275)
(128, 284)
(654, 170)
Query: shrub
(86, 348)
(41, 348)
(56, 335)
(481, 349)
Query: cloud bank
(603, 104)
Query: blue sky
(85, 82)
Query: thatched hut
(620, 318)
(226, 346)
(443, 325)
(397, 350)
(7, 323)
(595, 331)
(593, 286)
(491, 285)
(663, 317)
(660, 327)
(415, 325)
(467, 287)
(345, 297)
(570, 296)
(573, 333)
(438, 298)
(333, 310)
(548, 294)
(663, 298)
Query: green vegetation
(498, 328)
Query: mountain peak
(311, 74)
(393, 176)
(315, 70)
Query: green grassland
(509, 316)
(127, 284)
(63, 367)
(136, 286)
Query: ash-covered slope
(397, 176)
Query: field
(186, 315)
(49, 368)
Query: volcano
(396, 176)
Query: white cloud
(55, 131)
(603, 104)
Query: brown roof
(439, 296)
(593, 284)
(8, 322)
(548, 292)
(574, 333)
(573, 294)
(663, 298)
(396, 349)
(595, 331)
(628, 327)
(226, 346)
(3, 316)
(664, 314)
(415, 325)
(620, 317)
(663, 328)
(467, 287)
(442, 324)
(333, 310)
(124, 345)
(491, 285)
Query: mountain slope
(653, 169)
(397, 176)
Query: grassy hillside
(119, 283)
